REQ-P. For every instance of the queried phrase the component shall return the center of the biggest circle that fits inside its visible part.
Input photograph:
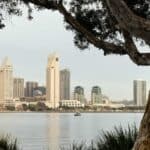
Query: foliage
(94, 15)
(10, 108)
(25, 107)
(7, 143)
(41, 106)
(32, 107)
(101, 23)
(118, 139)
(96, 18)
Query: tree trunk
(143, 139)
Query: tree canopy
(113, 26)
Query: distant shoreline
(142, 111)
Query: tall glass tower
(79, 94)
(139, 92)
(96, 95)
(64, 84)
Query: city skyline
(71, 92)
(88, 68)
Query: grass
(7, 143)
(117, 139)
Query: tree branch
(135, 25)
(49, 4)
(108, 48)
(137, 57)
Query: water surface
(43, 131)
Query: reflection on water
(43, 131)
(53, 130)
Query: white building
(139, 92)
(52, 81)
(71, 103)
(6, 83)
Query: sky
(28, 44)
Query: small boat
(77, 114)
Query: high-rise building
(139, 92)
(18, 87)
(30, 86)
(96, 95)
(41, 89)
(6, 82)
(79, 94)
(64, 84)
(52, 81)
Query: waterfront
(42, 131)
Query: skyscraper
(79, 94)
(96, 95)
(30, 86)
(139, 92)
(52, 81)
(6, 82)
(42, 89)
(18, 87)
(64, 84)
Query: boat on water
(77, 114)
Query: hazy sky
(28, 43)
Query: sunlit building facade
(6, 82)
(52, 81)
(18, 87)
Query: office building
(52, 81)
(40, 89)
(18, 87)
(6, 82)
(71, 103)
(64, 84)
(79, 94)
(96, 95)
(30, 86)
(139, 92)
